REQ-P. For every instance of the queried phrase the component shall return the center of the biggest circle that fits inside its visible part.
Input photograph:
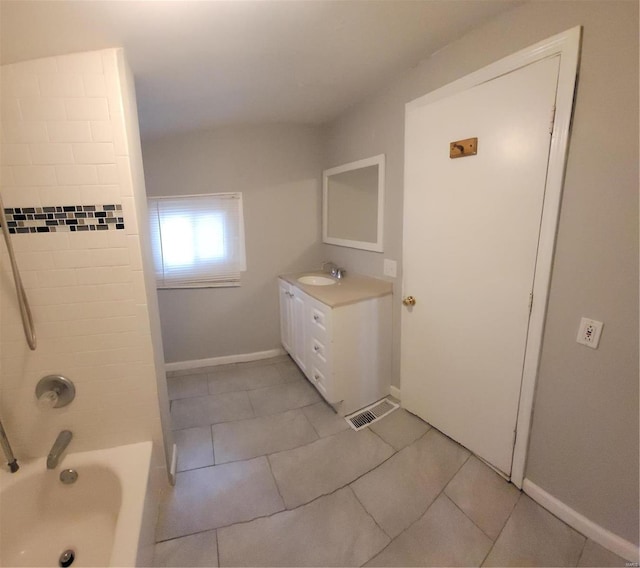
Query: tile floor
(270, 476)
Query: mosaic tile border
(69, 218)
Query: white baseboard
(595, 532)
(224, 360)
(394, 392)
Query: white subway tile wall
(64, 143)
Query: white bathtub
(99, 517)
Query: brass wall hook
(463, 148)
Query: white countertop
(348, 290)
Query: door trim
(567, 46)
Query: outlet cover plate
(589, 332)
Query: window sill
(199, 285)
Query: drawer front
(317, 363)
(324, 384)
(319, 320)
(319, 353)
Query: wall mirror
(353, 204)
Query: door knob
(409, 301)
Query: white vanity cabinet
(344, 350)
(292, 332)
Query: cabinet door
(299, 332)
(286, 316)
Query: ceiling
(203, 64)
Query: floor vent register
(370, 414)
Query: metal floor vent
(370, 414)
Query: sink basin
(316, 280)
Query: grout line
(185, 535)
(275, 482)
(387, 443)
(286, 509)
(502, 529)
(217, 547)
(210, 427)
(252, 407)
(584, 545)
(368, 513)
(382, 549)
(430, 504)
(369, 470)
(309, 421)
(213, 449)
(444, 493)
(341, 486)
(350, 483)
(197, 468)
(303, 414)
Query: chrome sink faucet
(334, 270)
(62, 441)
(329, 267)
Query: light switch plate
(589, 332)
(390, 267)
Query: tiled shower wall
(68, 148)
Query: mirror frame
(326, 174)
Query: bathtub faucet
(62, 441)
(8, 452)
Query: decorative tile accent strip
(56, 218)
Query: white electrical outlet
(589, 332)
(390, 267)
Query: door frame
(567, 46)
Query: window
(197, 240)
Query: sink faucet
(329, 267)
(333, 269)
(8, 452)
(62, 441)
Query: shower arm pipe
(25, 310)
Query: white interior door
(471, 229)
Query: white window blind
(197, 240)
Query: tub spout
(8, 452)
(62, 441)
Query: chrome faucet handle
(332, 267)
(340, 273)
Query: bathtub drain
(67, 558)
(68, 476)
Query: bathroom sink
(316, 280)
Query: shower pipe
(25, 311)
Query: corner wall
(277, 168)
(68, 140)
(584, 441)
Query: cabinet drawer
(324, 384)
(318, 350)
(319, 322)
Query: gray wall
(278, 169)
(584, 445)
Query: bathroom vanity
(339, 333)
